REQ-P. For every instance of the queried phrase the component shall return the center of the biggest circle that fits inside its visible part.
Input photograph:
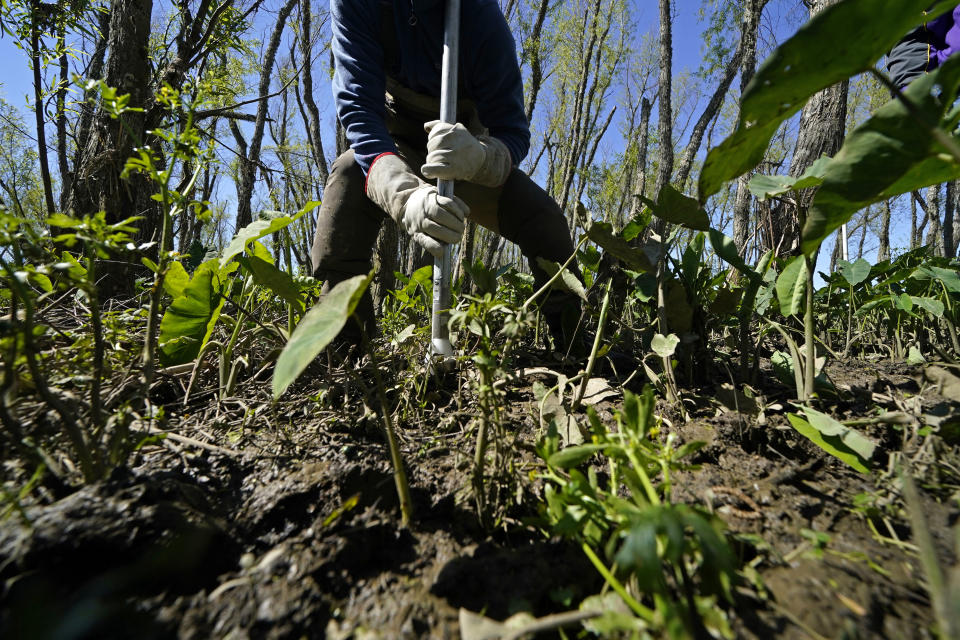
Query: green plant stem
(947, 620)
(153, 313)
(399, 474)
(226, 356)
(811, 347)
(480, 454)
(596, 346)
(948, 321)
(549, 283)
(630, 601)
(96, 321)
(670, 382)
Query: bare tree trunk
(536, 62)
(949, 215)
(385, 264)
(313, 126)
(914, 235)
(748, 65)
(248, 165)
(934, 238)
(821, 132)
(62, 165)
(640, 175)
(883, 251)
(713, 107)
(38, 108)
(665, 110)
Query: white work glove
(453, 153)
(431, 220)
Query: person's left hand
(453, 153)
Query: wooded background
(612, 118)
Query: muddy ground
(262, 520)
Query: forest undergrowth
(190, 450)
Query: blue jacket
(488, 70)
(925, 48)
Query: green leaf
(892, 153)
(791, 285)
(726, 248)
(176, 279)
(567, 281)
(949, 278)
(573, 456)
(837, 439)
(854, 273)
(279, 282)
(930, 305)
(258, 229)
(915, 356)
(317, 329)
(764, 187)
(76, 270)
(677, 208)
(664, 346)
(636, 258)
(842, 47)
(258, 250)
(189, 321)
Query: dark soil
(257, 520)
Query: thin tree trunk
(665, 110)
(949, 214)
(934, 237)
(708, 115)
(640, 175)
(62, 165)
(38, 112)
(313, 126)
(536, 62)
(249, 164)
(883, 250)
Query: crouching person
(387, 59)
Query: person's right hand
(433, 220)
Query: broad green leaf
(317, 329)
(915, 356)
(636, 258)
(949, 278)
(76, 270)
(258, 229)
(574, 456)
(567, 281)
(176, 279)
(854, 273)
(903, 302)
(836, 38)
(674, 207)
(764, 187)
(836, 438)
(791, 285)
(892, 153)
(188, 322)
(279, 282)
(664, 346)
(258, 250)
(930, 305)
(726, 248)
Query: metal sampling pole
(440, 332)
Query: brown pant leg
(529, 217)
(347, 228)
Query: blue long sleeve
(489, 73)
